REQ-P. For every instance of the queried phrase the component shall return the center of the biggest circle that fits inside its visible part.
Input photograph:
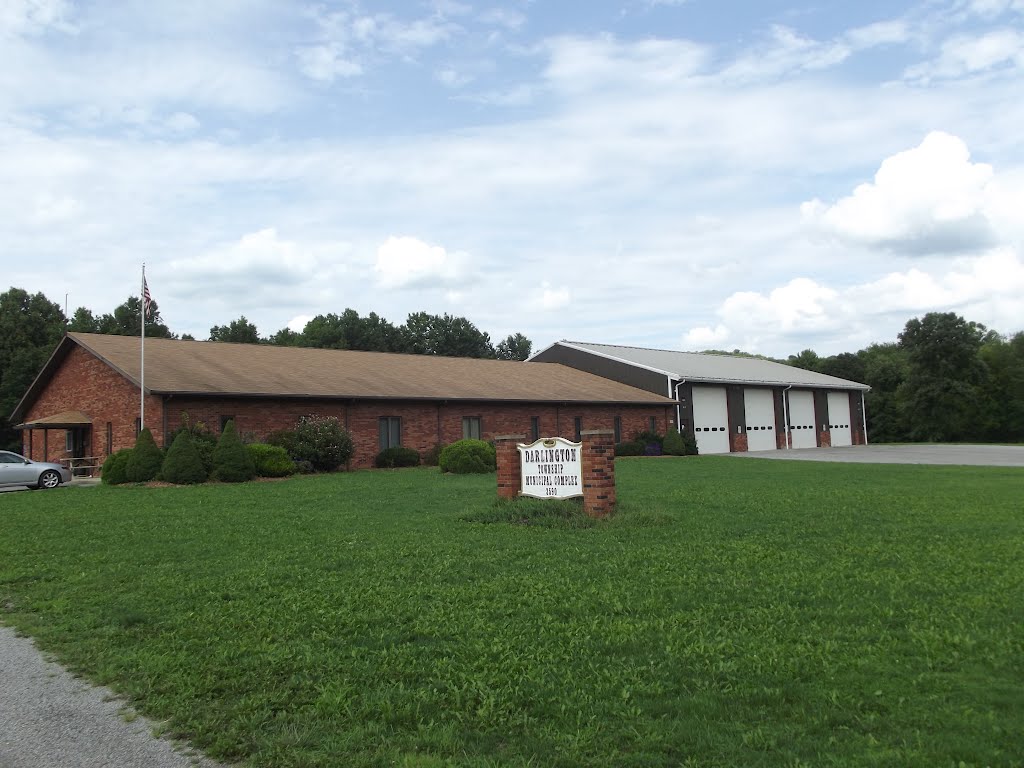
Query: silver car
(15, 469)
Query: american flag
(146, 298)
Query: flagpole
(142, 353)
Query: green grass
(733, 613)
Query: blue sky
(769, 176)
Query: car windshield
(6, 457)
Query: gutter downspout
(864, 416)
(679, 408)
(785, 417)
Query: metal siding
(839, 419)
(801, 419)
(625, 373)
(711, 419)
(759, 405)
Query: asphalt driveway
(970, 455)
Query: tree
(844, 366)
(240, 331)
(425, 334)
(183, 465)
(286, 337)
(886, 367)
(30, 328)
(808, 360)
(145, 460)
(84, 321)
(350, 331)
(231, 460)
(941, 393)
(126, 320)
(514, 347)
(1003, 392)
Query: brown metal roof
(216, 368)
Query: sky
(682, 174)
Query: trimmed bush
(304, 467)
(270, 460)
(432, 457)
(390, 458)
(467, 457)
(145, 460)
(231, 460)
(629, 448)
(690, 443)
(115, 468)
(649, 438)
(202, 438)
(183, 465)
(283, 438)
(323, 442)
(673, 445)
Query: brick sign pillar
(598, 471)
(510, 472)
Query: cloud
(926, 200)
(553, 298)
(965, 55)
(31, 17)
(325, 63)
(404, 262)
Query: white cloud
(705, 337)
(964, 55)
(298, 323)
(553, 298)
(404, 262)
(325, 63)
(29, 17)
(930, 199)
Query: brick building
(86, 400)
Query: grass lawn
(734, 613)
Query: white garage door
(801, 418)
(759, 405)
(711, 420)
(839, 419)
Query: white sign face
(552, 468)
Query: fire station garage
(732, 403)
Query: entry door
(801, 419)
(711, 420)
(839, 419)
(759, 405)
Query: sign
(552, 468)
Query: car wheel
(49, 479)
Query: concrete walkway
(971, 455)
(50, 719)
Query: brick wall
(84, 383)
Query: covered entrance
(65, 438)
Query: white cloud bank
(404, 262)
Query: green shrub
(390, 458)
(231, 460)
(283, 438)
(649, 438)
(203, 440)
(304, 467)
(673, 444)
(629, 448)
(183, 465)
(270, 460)
(115, 468)
(690, 443)
(468, 457)
(145, 460)
(323, 442)
(432, 457)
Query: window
(654, 424)
(471, 428)
(390, 431)
(69, 441)
(618, 429)
(224, 422)
(110, 438)
(535, 428)
(577, 424)
(138, 425)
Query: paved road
(975, 455)
(49, 719)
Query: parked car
(15, 469)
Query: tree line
(31, 326)
(945, 379)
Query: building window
(110, 438)
(69, 441)
(535, 428)
(654, 424)
(471, 428)
(390, 431)
(224, 422)
(577, 424)
(138, 425)
(618, 429)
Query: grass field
(733, 613)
